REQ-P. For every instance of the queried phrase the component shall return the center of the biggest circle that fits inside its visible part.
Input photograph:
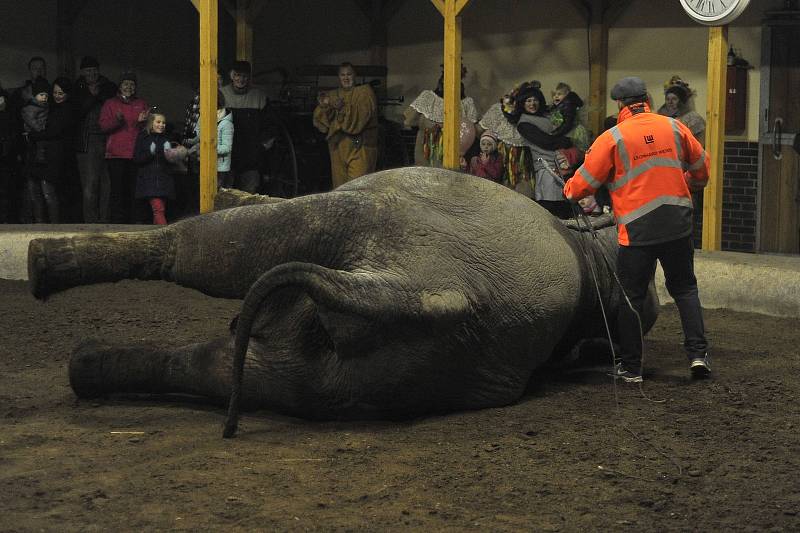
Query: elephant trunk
(58, 264)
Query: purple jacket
(121, 134)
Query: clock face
(714, 12)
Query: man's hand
(119, 116)
(143, 115)
(338, 104)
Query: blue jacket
(224, 141)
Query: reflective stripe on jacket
(648, 162)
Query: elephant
(404, 293)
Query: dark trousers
(636, 266)
(122, 206)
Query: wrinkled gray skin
(402, 293)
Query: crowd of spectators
(91, 150)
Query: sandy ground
(572, 455)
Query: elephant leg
(204, 369)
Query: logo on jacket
(649, 139)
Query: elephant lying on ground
(402, 293)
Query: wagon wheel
(279, 162)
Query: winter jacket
(649, 163)
(34, 116)
(57, 140)
(153, 177)
(492, 169)
(225, 135)
(89, 106)
(248, 118)
(121, 133)
(564, 115)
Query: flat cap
(629, 87)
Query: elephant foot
(52, 265)
(86, 366)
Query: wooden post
(451, 11)
(715, 136)
(598, 66)
(208, 102)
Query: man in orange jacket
(650, 164)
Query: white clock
(714, 12)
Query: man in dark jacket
(91, 90)
(247, 104)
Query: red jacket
(649, 162)
(121, 134)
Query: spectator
(225, 136)
(121, 118)
(153, 179)
(34, 120)
(188, 188)
(676, 105)
(91, 91)
(246, 103)
(426, 113)
(535, 127)
(37, 68)
(7, 157)
(511, 146)
(56, 143)
(488, 164)
(348, 116)
(564, 115)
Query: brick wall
(739, 189)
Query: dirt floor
(720, 455)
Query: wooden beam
(715, 136)
(598, 66)
(244, 31)
(209, 25)
(195, 4)
(452, 85)
(460, 6)
(67, 12)
(439, 5)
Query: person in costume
(348, 116)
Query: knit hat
(629, 87)
(89, 62)
(128, 75)
(40, 85)
(492, 136)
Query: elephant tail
(355, 294)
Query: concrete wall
(505, 42)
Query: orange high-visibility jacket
(648, 162)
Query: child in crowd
(153, 178)
(564, 116)
(224, 143)
(488, 164)
(34, 120)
